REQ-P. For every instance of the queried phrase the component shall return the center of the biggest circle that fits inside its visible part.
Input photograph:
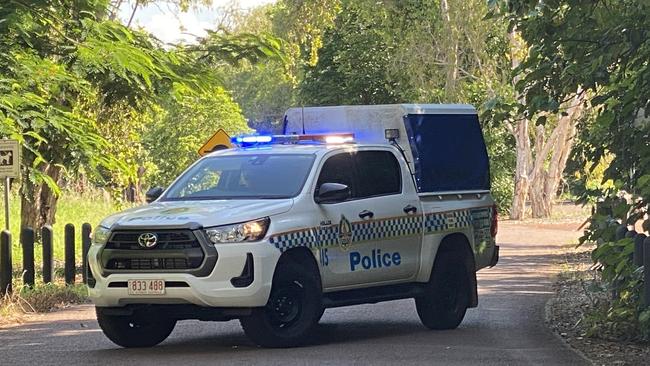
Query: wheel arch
(458, 242)
(299, 255)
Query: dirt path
(506, 329)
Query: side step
(373, 295)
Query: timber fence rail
(28, 245)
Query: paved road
(506, 329)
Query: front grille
(167, 240)
(175, 250)
(150, 263)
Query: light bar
(338, 139)
(255, 140)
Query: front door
(377, 232)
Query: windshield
(243, 177)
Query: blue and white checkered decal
(395, 227)
(443, 221)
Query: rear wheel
(292, 310)
(448, 293)
(134, 330)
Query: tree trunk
(452, 54)
(37, 201)
(548, 171)
(522, 143)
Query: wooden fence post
(86, 229)
(47, 235)
(620, 232)
(646, 271)
(638, 249)
(69, 267)
(6, 269)
(27, 241)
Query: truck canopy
(443, 143)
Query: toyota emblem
(148, 240)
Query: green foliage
(183, 125)
(499, 144)
(302, 24)
(265, 90)
(625, 317)
(602, 47)
(354, 62)
(77, 90)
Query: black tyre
(293, 308)
(448, 293)
(133, 330)
(320, 315)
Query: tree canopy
(66, 72)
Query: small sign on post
(9, 168)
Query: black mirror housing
(332, 193)
(153, 194)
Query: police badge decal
(345, 233)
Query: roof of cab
(290, 149)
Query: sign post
(9, 168)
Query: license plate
(146, 287)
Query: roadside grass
(73, 208)
(39, 299)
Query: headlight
(100, 235)
(237, 233)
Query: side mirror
(153, 194)
(332, 193)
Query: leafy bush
(625, 316)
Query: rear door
(379, 229)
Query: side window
(337, 169)
(378, 174)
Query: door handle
(366, 214)
(410, 209)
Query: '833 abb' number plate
(146, 287)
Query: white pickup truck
(352, 205)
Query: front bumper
(213, 290)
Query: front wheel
(293, 308)
(134, 330)
(447, 295)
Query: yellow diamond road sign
(218, 141)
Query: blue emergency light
(255, 139)
(258, 140)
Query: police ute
(349, 205)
